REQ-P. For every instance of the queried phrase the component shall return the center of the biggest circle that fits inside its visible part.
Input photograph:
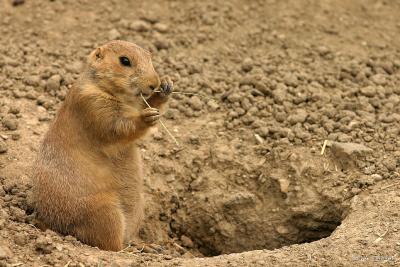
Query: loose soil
(289, 153)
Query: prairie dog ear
(99, 53)
(96, 54)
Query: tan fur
(88, 175)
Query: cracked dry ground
(248, 186)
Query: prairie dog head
(123, 69)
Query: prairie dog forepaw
(150, 116)
(167, 86)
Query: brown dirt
(248, 183)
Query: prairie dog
(87, 179)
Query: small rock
(279, 95)
(290, 79)
(148, 249)
(390, 164)
(197, 183)
(41, 100)
(158, 135)
(389, 118)
(187, 242)
(120, 263)
(369, 91)
(44, 245)
(323, 50)
(31, 95)
(377, 177)
(87, 44)
(20, 239)
(349, 153)
(299, 116)
(75, 67)
(234, 98)
(14, 110)
(213, 105)
(284, 185)
(160, 27)
(161, 44)
(245, 103)
(263, 132)
(17, 214)
(150, 17)
(355, 190)
(139, 26)
(196, 103)
(15, 136)
(3, 147)
(5, 252)
(114, 34)
(281, 229)
(247, 65)
(53, 83)
(10, 123)
(350, 148)
(33, 80)
(379, 79)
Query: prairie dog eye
(125, 61)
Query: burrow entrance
(235, 208)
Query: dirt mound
(289, 145)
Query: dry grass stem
(323, 147)
(162, 124)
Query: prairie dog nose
(154, 83)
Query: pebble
(187, 242)
(10, 123)
(75, 67)
(213, 105)
(53, 83)
(247, 65)
(379, 79)
(281, 229)
(14, 110)
(5, 252)
(263, 132)
(114, 34)
(161, 43)
(20, 239)
(44, 244)
(390, 164)
(161, 27)
(377, 177)
(33, 80)
(279, 95)
(18, 214)
(139, 26)
(290, 79)
(3, 147)
(148, 249)
(323, 50)
(245, 102)
(234, 98)
(350, 149)
(284, 185)
(299, 116)
(196, 103)
(369, 91)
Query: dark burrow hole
(243, 222)
(295, 229)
